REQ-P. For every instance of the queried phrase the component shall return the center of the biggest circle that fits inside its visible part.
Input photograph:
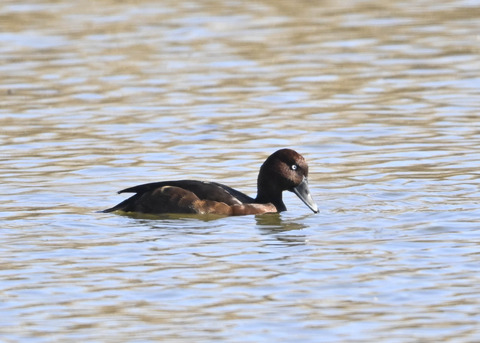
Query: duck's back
(182, 196)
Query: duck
(284, 170)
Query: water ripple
(381, 100)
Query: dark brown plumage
(284, 170)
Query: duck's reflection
(280, 229)
(284, 230)
(144, 217)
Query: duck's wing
(181, 194)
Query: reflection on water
(274, 222)
(380, 97)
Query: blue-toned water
(381, 99)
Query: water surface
(382, 100)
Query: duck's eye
(294, 167)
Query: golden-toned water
(382, 98)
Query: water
(382, 100)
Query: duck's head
(284, 170)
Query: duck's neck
(270, 195)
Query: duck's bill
(303, 193)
